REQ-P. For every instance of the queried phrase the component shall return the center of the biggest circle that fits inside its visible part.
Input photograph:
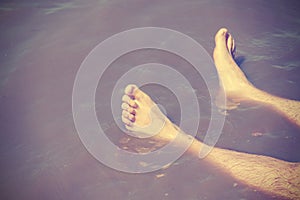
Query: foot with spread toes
(143, 117)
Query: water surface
(42, 46)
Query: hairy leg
(267, 174)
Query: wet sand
(42, 47)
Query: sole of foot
(142, 116)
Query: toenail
(132, 118)
(130, 88)
(129, 123)
(223, 30)
(131, 111)
(133, 104)
(125, 106)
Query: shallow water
(42, 47)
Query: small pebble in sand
(160, 175)
(256, 134)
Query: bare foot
(143, 117)
(233, 81)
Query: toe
(125, 113)
(131, 111)
(129, 128)
(129, 90)
(233, 47)
(128, 115)
(127, 108)
(222, 31)
(221, 34)
(129, 101)
(131, 117)
(135, 93)
(230, 44)
(126, 121)
(126, 98)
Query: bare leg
(267, 174)
(238, 89)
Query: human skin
(270, 175)
(238, 89)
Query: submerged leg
(267, 174)
(236, 87)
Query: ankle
(249, 93)
(257, 95)
(168, 132)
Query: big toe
(129, 90)
(221, 36)
(134, 92)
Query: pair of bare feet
(141, 114)
(276, 177)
